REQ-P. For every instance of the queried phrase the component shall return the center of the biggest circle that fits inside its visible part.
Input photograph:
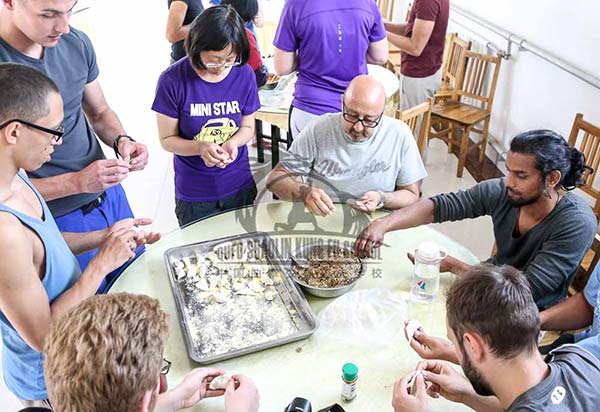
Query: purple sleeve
(427, 10)
(252, 103)
(378, 29)
(165, 100)
(286, 38)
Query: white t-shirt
(325, 157)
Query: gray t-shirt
(325, 157)
(549, 253)
(572, 385)
(71, 64)
(194, 8)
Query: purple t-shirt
(208, 112)
(332, 38)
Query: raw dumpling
(220, 382)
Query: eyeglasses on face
(366, 123)
(226, 65)
(166, 367)
(56, 133)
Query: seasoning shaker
(349, 381)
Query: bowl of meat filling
(326, 271)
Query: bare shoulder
(14, 241)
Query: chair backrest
(589, 145)
(453, 57)
(418, 119)
(386, 8)
(473, 73)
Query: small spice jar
(349, 381)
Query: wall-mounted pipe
(524, 45)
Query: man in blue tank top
(81, 186)
(40, 278)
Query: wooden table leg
(260, 151)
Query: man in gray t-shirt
(493, 324)
(358, 156)
(539, 228)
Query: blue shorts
(114, 207)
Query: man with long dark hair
(540, 226)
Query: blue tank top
(22, 366)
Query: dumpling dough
(220, 382)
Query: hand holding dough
(220, 382)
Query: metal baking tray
(192, 311)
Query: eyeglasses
(226, 65)
(166, 367)
(56, 133)
(351, 118)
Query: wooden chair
(460, 115)
(386, 8)
(418, 119)
(453, 56)
(589, 145)
(393, 62)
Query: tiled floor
(132, 52)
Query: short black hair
(552, 152)
(496, 303)
(25, 92)
(213, 30)
(247, 9)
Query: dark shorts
(189, 212)
(112, 207)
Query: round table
(309, 368)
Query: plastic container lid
(350, 372)
(429, 251)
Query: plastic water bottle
(426, 277)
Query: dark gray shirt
(572, 385)
(549, 253)
(194, 8)
(71, 64)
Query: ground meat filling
(329, 267)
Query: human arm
(573, 313)
(285, 62)
(285, 186)
(176, 30)
(414, 45)
(244, 397)
(23, 299)
(378, 52)
(168, 132)
(403, 196)
(259, 19)
(107, 126)
(447, 382)
(192, 389)
(395, 28)
(82, 242)
(417, 214)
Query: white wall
(531, 92)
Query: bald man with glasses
(360, 157)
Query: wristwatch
(116, 143)
(381, 199)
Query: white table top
(314, 370)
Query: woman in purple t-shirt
(205, 108)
